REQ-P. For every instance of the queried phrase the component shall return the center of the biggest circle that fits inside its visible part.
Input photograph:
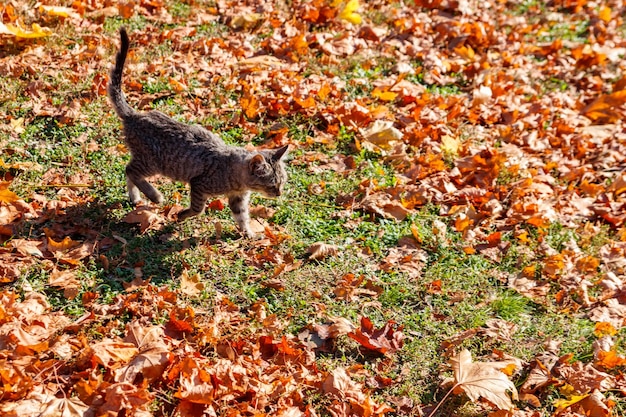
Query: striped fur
(160, 145)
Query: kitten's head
(267, 171)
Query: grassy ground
(435, 289)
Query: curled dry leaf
(381, 136)
(320, 250)
(386, 340)
(67, 281)
(27, 247)
(147, 219)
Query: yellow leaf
(604, 328)
(250, 105)
(605, 14)
(17, 125)
(65, 244)
(7, 196)
(450, 145)
(562, 404)
(465, 52)
(384, 95)
(59, 11)
(349, 12)
(246, 21)
(37, 31)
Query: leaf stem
(432, 413)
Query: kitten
(160, 145)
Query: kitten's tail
(114, 88)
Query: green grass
(473, 288)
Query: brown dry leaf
(64, 407)
(482, 380)
(27, 247)
(499, 329)
(380, 136)
(126, 399)
(42, 402)
(191, 285)
(604, 109)
(112, 353)
(341, 385)
(149, 364)
(386, 340)
(585, 377)
(147, 219)
(321, 250)
(195, 386)
(349, 288)
(262, 212)
(67, 281)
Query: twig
(62, 186)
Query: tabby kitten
(160, 145)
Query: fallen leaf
(19, 31)
(386, 340)
(27, 247)
(147, 219)
(112, 353)
(60, 11)
(482, 379)
(191, 285)
(67, 281)
(381, 135)
(349, 12)
(6, 195)
(320, 250)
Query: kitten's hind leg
(238, 204)
(198, 202)
(135, 178)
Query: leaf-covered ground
(451, 241)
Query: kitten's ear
(258, 166)
(280, 153)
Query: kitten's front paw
(157, 199)
(249, 234)
(137, 202)
(184, 214)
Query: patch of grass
(135, 23)
(576, 31)
(155, 86)
(179, 9)
(444, 90)
(511, 306)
